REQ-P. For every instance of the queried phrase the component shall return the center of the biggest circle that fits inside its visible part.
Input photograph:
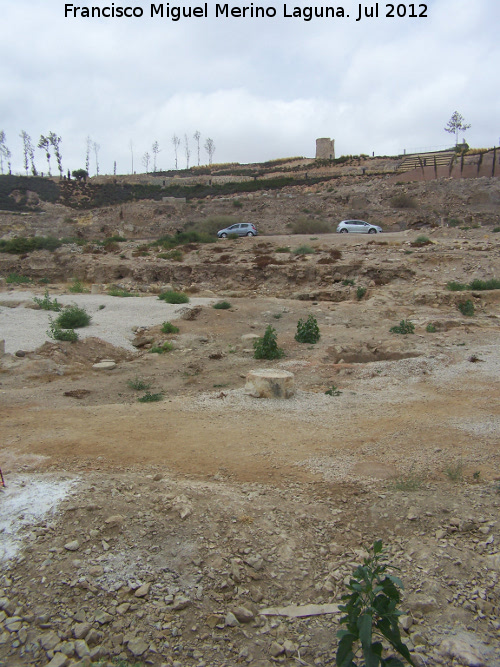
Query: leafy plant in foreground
(169, 328)
(371, 608)
(57, 333)
(267, 346)
(47, 303)
(333, 391)
(174, 297)
(307, 331)
(73, 317)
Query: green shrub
(173, 255)
(73, 317)
(161, 349)
(431, 328)
(58, 333)
(169, 328)
(484, 285)
(370, 609)
(21, 245)
(117, 291)
(404, 327)
(16, 279)
(77, 287)
(283, 249)
(47, 303)
(466, 308)
(307, 331)
(333, 391)
(403, 201)
(174, 297)
(455, 471)
(347, 282)
(305, 225)
(495, 230)
(138, 385)
(150, 398)
(360, 293)
(222, 305)
(455, 286)
(237, 203)
(453, 222)
(267, 346)
(304, 250)
(420, 241)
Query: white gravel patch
(23, 328)
(25, 500)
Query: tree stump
(270, 383)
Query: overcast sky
(261, 88)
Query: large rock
(270, 383)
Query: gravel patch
(24, 328)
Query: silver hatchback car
(240, 229)
(357, 226)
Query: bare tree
(210, 148)
(146, 158)
(96, 148)
(455, 125)
(176, 142)
(187, 150)
(156, 149)
(55, 142)
(196, 137)
(44, 144)
(4, 152)
(87, 155)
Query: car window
(245, 225)
(234, 227)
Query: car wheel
(223, 236)
(344, 231)
(249, 233)
(372, 231)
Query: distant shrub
(454, 222)
(348, 282)
(161, 349)
(47, 303)
(138, 385)
(173, 255)
(21, 245)
(308, 331)
(237, 204)
(117, 291)
(16, 279)
(476, 285)
(455, 286)
(77, 287)
(333, 391)
(360, 293)
(404, 327)
(267, 346)
(73, 317)
(169, 328)
(56, 332)
(466, 308)
(431, 328)
(304, 250)
(283, 249)
(495, 230)
(309, 226)
(421, 241)
(222, 305)
(150, 398)
(403, 201)
(171, 296)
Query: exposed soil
(183, 521)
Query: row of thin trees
(51, 145)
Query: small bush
(21, 245)
(57, 333)
(309, 226)
(267, 346)
(73, 317)
(237, 204)
(403, 201)
(77, 287)
(455, 286)
(222, 305)
(47, 303)
(484, 285)
(16, 279)
(347, 282)
(404, 327)
(174, 297)
(304, 250)
(453, 222)
(455, 471)
(308, 331)
(496, 230)
(466, 308)
(172, 255)
(283, 249)
(150, 398)
(161, 349)
(169, 328)
(360, 293)
(117, 291)
(431, 328)
(421, 241)
(138, 385)
(333, 391)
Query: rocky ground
(215, 529)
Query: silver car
(240, 229)
(357, 226)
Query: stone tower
(325, 149)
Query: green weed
(222, 305)
(77, 287)
(308, 331)
(304, 250)
(267, 346)
(171, 296)
(455, 471)
(404, 327)
(466, 308)
(16, 279)
(360, 293)
(371, 609)
(138, 385)
(150, 398)
(333, 391)
(161, 349)
(73, 317)
(169, 328)
(421, 241)
(47, 303)
(431, 328)
(117, 291)
(348, 282)
(57, 333)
